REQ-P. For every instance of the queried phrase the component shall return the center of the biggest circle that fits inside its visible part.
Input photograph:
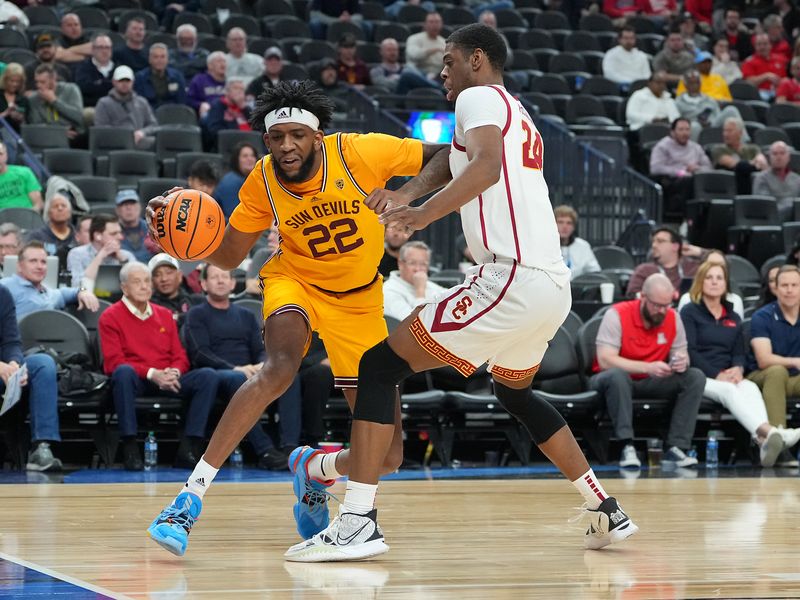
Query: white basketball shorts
(504, 314)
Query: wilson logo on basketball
(160, 229)
(461, 307)
(183, 214)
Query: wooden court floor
(467, 539)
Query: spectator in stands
(651, 104)
(159, 83)
(773, 27)
(350, 68)
(716, 257)
(779, 181)
(326, 75)
(669, 256)
(620, 10)
(425, 50)
(790, 16)
(660, 12)
(393, 240)
(72, 31)
(14, 106)
(775, 340)
(409, 286)
(135, 238)
(769, 287)
(722, 63)
(40, 383)
(324, 12)
(625, 63)
(393, 75)
(693, 41)
(227, 338)
(393, 9)
(208, 86)
(716, 347)
(168, 289)
(789, 88)
(673, 162)
(105, 248)
(711, 85)
(479, 6)
(674, 60)
(204, 176)
(30, 292)
(57, 234)
(271, 75)
(316, 380)
(18, 185)
(641, 352)
(82, 230)
(735, 155)
(10, 240)
(230, 112)
(143, 355)
(133, 54)
(187, 57)
(701, 10)
(11, 15)
(737, 35)
(238, 61)
(56, 103)
(124, 108)
(764, 69)
(700, 109)
(93, 75)
(243, 160)
(46, 51)
(167, 10)
(488, 18)
(577, 252)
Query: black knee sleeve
(379, 372)
(538, 416)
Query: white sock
(200, 479)
(591, 489)
(323, 467)
(359, 498)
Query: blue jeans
(198, 386)
(288, 412)
(42, 391)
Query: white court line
(58, 575)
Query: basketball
(190, 226)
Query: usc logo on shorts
(461, 307)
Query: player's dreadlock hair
(476, 35)
(293, 94)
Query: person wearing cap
(29, 291)
(273, 65)
(46, 49)
(701, 109)
(134, 230)
(104, 248)
(712, 85)
(93, 75)
(56, 103)
(187, 57)
(159, 83)
(208, 86)
(134, 53)
(168, 289)
(674, 60)
(124, 108)
(351, 69)
(238, 61)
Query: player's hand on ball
(152, 206)
(405, 218)
(381, 199)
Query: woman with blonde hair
(13, 103)
(717, 347)
(718, 258)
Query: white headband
(291, 115)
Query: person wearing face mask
(576, 251)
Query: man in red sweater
(143, 355)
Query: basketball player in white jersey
(505, 313)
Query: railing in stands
(20, 153)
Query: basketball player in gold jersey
(323, 277)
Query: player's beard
(302, 174)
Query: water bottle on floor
(150, 451)
(236, 459)
(712, 452)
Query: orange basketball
(190, 226)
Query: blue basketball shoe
(311, 510)
(171, 528)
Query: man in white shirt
(409, 287)
(651, 104)
(238, 61)
(424, 50)
(625, 63)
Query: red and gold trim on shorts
(514, 374)
(439, 352)
(345, 383)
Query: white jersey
(513, 219)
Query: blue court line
(21, 579)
